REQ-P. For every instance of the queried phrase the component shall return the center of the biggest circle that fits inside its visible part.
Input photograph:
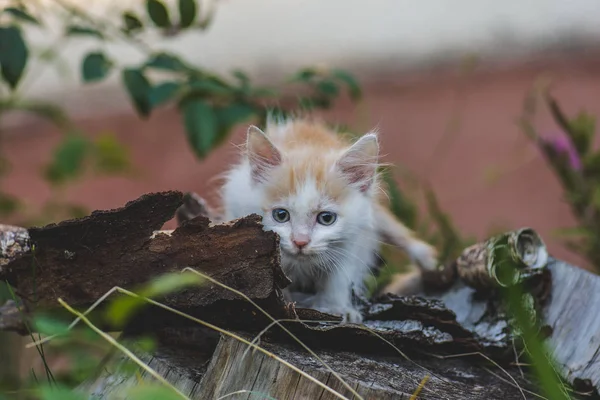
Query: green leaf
(234, 114)
(158, 13)
(50, 326)
(166, 61)
(400, 205)
(353, 86)
(8, 204)
(145, 344)
(582, 129)
(95, 67)
(164, 92)
(131, 22)
(304, 75)
(68, 158)
(452, 244)
(187, 13)
(242, 77)
(152, 391)
(138, 88)
(328, 87)
(263, 92)
(111, 156)
(201, 126)
(78, 30)
(591, 165)
(13, 55)
(231, 115)
(120, 309)
(596, 197)
(209, 87)
(21, 14)
(59, 392)
(169, 283)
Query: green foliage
(111, 156)
(577, 165)
(78, 30)
(68, 158)
(326, 86)
(201, 126)
(526, 324)
(59, 392)
(434, 226)
(167, 61)
(21, 14)
(138, 87)
(131, 22)
(13, 55)
(50, 326)
(187, 13)
(158, 13)
(8, 204)
(95, 67)
(164, 92)
(123, 307)
(402, 207)
(353, 86)
(211, 105)
(152, 391)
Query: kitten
(320, 193)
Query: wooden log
(573, 316)
(569, 313)
(240, 374)
(80, 260)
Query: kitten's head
(316, 196)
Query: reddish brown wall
(412, 114)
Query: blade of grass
(40, 347)
(122, 348)
(421, 386)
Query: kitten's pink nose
(300, 243)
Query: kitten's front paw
(348, 314)
(424, 255)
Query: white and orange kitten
(320, 194)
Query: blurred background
(486, 108)
(444, 82)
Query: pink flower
(562, 144)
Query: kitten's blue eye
(281, 215)
(326, 218)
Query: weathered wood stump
(447, 336)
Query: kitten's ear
(359, 163)
(263, 155)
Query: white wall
(271, 37)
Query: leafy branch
(210, 104)
(572, 158)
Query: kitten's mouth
(299, 253)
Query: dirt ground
(485, 172)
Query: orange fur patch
(310, 151)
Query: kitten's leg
(396, 233)
(335, 297)
(334, 293)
